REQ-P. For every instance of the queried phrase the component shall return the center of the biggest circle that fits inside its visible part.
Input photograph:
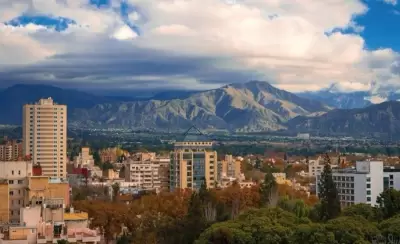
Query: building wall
(45, 136)
(15, 169)
(16, 173)
(4, 206)
(23, 233)
(42, 187)
(191, 164)
(11, 150)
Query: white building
(361, 184)
(44, 131)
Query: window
(11, 193)
(10, 182)
(368, 192)
(368, 185)
(368, 179)
(19, 172)
(12, 172)
(368, 199)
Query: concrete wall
(5, 205)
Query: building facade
(11, 150)
(15, 175)
(362, 184)
(193, 162)
(147, 172)
(230, 167)
(45, 136)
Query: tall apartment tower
(193, 162)
(45, 136)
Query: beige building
(45, 136)
(229, 167)
(147, 171)
(192, 162)
(84, 158)
(16, 175)
(10, 150)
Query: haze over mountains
(249, 107)
(338, 97)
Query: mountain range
(337, 96)
(249, 107)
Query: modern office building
(362, 184)
(193, 162)
(45, 136)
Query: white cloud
(392, 2)
(291, 49)
(124, 33)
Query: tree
(328, 194)
(115, 191)
(365, 210)
(267, 189)
(389, 202)
(62, 242)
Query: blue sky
(381, 25)
(200, 44)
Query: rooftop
(193, 134)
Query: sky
(296, 45)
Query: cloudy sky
(296, 45)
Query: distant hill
(252, 106)
(381, 120)
(13, 98)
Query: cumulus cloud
(193, 43)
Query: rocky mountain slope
(381, 120)
(252, 106)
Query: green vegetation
(328, 194)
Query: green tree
(349, 230)
(62, 242)
(96, 158)
(390, 229)
(365, 210)
(389, 202)
(115, 191)
(267, 189)
(312, 234)
(328, 194)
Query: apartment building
(315, 167)
(147, 171)
(84, 158)
(45, 136)
(229, 167)
(50, 221)
(193, 161)
(15, 174)
(362, 184)
(10, 150)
